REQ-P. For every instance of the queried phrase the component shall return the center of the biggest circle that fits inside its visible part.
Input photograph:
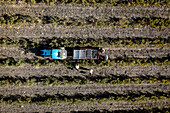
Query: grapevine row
(89, 21)
(98, 63)
(111, 22)
(17, 19)
(71, 42)
(55, 81)
(77, 98)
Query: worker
(91, 71)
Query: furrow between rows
(51, 30)
(29, 71)
(111, 106)
(32, 91)
(144, 53)
(81, 11)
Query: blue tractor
(60, 53)
(72, 53)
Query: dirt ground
(33, 91)
(48, 31)
(38, 31)
(111, 106)
(29, 70)
(82, 11)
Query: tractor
(73, 53)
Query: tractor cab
(60, 53)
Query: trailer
(85, 53)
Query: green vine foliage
(71, 42)
(52, 100)
(98, 63)
(55, 81)
(17, 20)
(89, 21)
(111, 22)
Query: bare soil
(16, 52)
(29, 71)
(111, 106)
(138, 52)
(33, 91)
(82, 11)
(52, 30)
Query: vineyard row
(89, 21)
(71, 42)
(98, 63)
(91, 98)
(55, 81)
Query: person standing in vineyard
(91, 71)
